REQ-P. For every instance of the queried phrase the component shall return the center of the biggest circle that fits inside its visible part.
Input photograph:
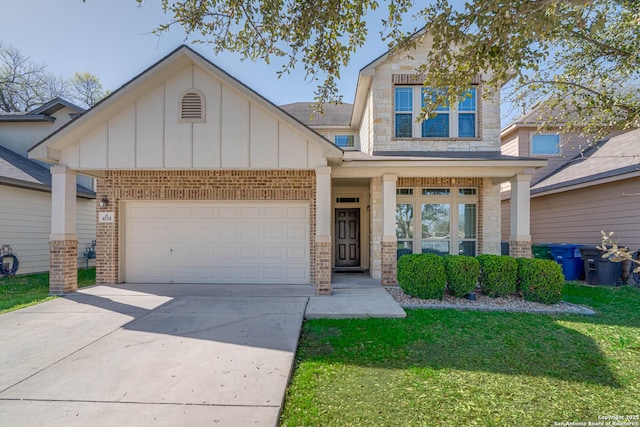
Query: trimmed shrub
(540, 280)
(498, 275)
(422, 275)
(462, 274)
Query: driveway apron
(151, 355)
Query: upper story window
(192, 107)
(545, 144)
(459, 122)
(344, 141)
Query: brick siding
(193, 185)
(323, 268)
(63, 269)
(520, 249)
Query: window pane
(467, 248)
(436, 127)
(545, 144)
(344, 140)
(468, 102)
(435, 221)
(467, 192)
(435, 247)
(404, 98)
(466, 125)
(405, 248)
(436, 191)
(404, 191)
(404, 126)
(425, 94)
(404, 221)
(467, 221)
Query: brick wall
(63, 266)
(323, 268)
(389, 254)
(520, 249)
(193, 185)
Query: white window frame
(417, 109)
(454, 200)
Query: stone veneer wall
(375, 232)
(194, 185)
(400, 70)
(63, 266)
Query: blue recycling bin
(569, 257)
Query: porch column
(323, 231)
(389, 244)
(520, 234)
(63, 241)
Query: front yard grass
(466, 368)
(22, 291)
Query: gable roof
(614, 158)
(48, 148)
(54, 105)
(332, 115)
(17, 171)
(42, 113)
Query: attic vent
(192, 107)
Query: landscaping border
(504, 304)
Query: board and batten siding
(577, 216)
(237, 133)
(25, 225)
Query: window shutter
(191, 106)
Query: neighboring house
(585, 187)
(25, 187)
(205, 181)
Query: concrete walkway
(162, 354)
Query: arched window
(192, 107)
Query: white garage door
(217, 242)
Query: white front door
(217, 242)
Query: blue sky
(111, 38)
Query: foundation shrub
(498, 275)
(462, 274)
(422, 275)
(540, 280)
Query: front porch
(376, 219)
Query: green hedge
(422, 275)
(540, 280)
(498, 275)
(462, 274)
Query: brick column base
(323, 268)
(389, 254)
(63, 266)
(520, 249)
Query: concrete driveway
(151, 355)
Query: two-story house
(205, 181)
(586, 186)
(25, 187)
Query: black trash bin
(598, 270)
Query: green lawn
(464, 368)
(22, 291)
